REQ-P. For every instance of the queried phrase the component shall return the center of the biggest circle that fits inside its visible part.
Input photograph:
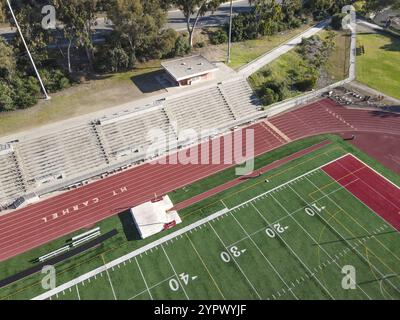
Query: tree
(2, 10)
(377, 5)
(6, 97)
(269, 16)
(137, 24)
(78, 17)
(337, 20)
(8, 61)
(193, 10)
(29, 17)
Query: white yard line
(144, 280)
(312, 274)
(234, 260)
(152, 287)
(177, 277)
(291, 214)
(112, 287)
(373, 189)
(165, 239)
(310, 236)
(77, 292)
(344, 239)
(262, 253)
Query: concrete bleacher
(240, 97)
(203, 110)
(11, 178)
(131, 134)
(54, 159)
(60, 155)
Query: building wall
(204, 77)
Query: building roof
(189, 67)
(150, 217)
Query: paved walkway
(274, 54)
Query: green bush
(337, 21)
(272, 91)
(166, 43)
(6, 97)
(181, 46)
(25, 92)
(54, 80)
(306, 84)
(218, 37)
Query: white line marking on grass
(162, 240)
(344, 239)
(310, 236)
(288, 216)
(170, 263)
(269, 263)
(144, 280)
(205, 267)
(295, 254)
(368, 185)
(152, 287)
(77, 292)
(234, 260)
(112, 287)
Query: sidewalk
(274, 54)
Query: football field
(296, 234)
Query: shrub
(181, 46)
(306, 84)
(166, 43)
(218, 37)
(54, 80)
(337, 21)
(6, 97)
(25, 92)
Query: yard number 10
(313, 209)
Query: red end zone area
(375, 191)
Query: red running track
(263, 170)
(50, 219)
(376, 192)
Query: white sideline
(162, 240)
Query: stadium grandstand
(42, 163)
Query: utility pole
(230, 35)
(47, 97)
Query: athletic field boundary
(169, 237)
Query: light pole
(47, 97)
(230, 35)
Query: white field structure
(167, 238)
(151, 217)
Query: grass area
(379, 67)
(119, 245)
(335, 69)
(120, 88)
(274, 247)
(80, 99)
(247, 51)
